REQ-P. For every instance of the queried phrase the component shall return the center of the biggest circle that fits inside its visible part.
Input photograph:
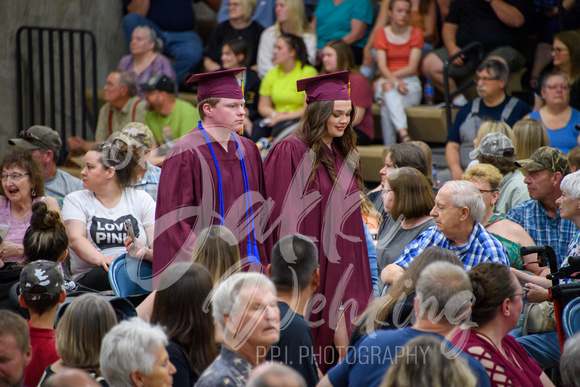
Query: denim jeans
(544, 348)
(186, 47)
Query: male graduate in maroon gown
(212, 176)
(324, 208)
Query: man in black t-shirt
(500, 26)
(294, 271)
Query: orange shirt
(398, 54)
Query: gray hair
(555, 74)
(225, 299)
(495, 66)
(570, 361)
(130, 346)
(466, 195)
(152, 37)
(127, 79)
(571, 184)
(270, 374)
(444, 289)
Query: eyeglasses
(524, 293)
(557, 50)
(487, 190)
(27, 136)
(386, 191)
(233, 5)
(14, 176)
(558, 87)
(485, 79)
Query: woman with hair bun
(496, 311)
(46, 237)
(95, 217)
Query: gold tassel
(349, 87)
(241, 132)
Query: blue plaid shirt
(544, 229)
(150, 180)
(481, 247)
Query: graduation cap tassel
(241, 132)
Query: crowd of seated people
(310, 310)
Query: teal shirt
(333, 21)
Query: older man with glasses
(492, 103)
(458, 212)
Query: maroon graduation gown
(188, 198)
(331, 217)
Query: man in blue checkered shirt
(458, 212)
(539, 216)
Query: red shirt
(496, 364)
(43, 354)
(398, 54)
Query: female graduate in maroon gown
(314, 179)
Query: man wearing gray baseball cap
(45, 145)
(498, 150)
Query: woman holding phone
(95, 217)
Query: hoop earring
(33, 193)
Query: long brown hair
(571, 39)
(374, 317)
(178, 306)
(313, 128)
(344, 56)
(216, 248)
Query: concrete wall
(102, 17)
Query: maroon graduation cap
(326, 87)
(218, 84)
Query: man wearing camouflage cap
(45, 145)
(539, 216)
(140, 137)
(41, 291)
(498, 150)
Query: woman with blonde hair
(240, 27)
(79, 334)
(487, 127)
(380, 314)
(512, 236)
(530, 134)
(491, 126)
(216, 248)
(290, 19)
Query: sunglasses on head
(30, 137)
